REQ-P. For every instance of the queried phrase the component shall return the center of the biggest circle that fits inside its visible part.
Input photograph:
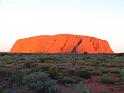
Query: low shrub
(103, 70)
(40, 82)
(84, 74)
(67, 80)
(107, 79)
(53, 72)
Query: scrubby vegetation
(107, 78)
(60, 73)
(40, 81)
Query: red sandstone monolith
(62, 43)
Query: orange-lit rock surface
(62, 43)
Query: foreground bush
(41, 83)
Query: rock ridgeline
(62, 43)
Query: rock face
(62, 43)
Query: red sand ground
(97, 87)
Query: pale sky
(25, 18)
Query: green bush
(85, 74)
(122, 74)
(67, 80)
(40, 81)
(103, 70)
(107, 79)
(53, 73)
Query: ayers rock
(62, 43)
